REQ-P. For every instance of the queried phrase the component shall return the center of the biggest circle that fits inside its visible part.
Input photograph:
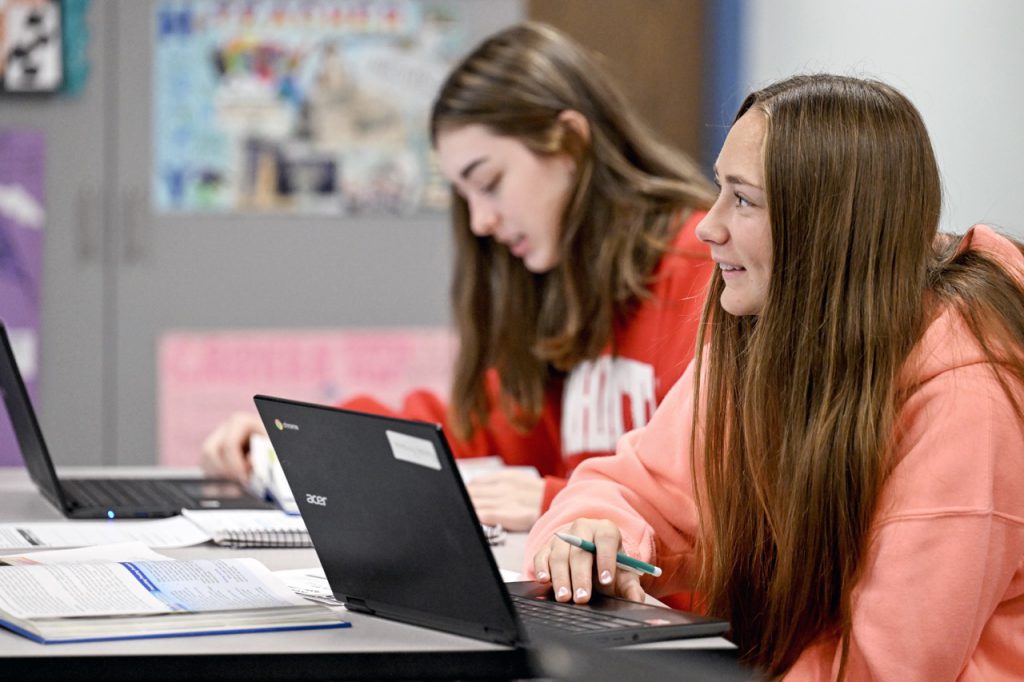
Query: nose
(483, 217)
(711, 230)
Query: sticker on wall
(75, 14)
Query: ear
(576, 122)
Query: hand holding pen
(621, 560)
(571, 571)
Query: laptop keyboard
(126, 493)
(553, 614)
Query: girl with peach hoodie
(845, 480)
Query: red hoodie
(600, 399)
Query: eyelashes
(741, 201)
(492, 186)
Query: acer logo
(318, 500)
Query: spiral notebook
(274, 528)
(250, 528)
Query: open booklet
(102, 593)
(267, 477)
(233, 528)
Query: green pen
(621, 559)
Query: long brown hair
(631, 193)
(797, 432)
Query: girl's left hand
(571, 570)
(509, 498)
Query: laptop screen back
(390, 519)
(25, 425)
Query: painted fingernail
(563, 592)
(606, 577)
(542, 575)
(581, 593)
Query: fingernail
(606, 577)
(542, 575)
(581, 594)
(563, 592)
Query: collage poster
(22, 216)
(299, 106)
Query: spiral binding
(495, 534)
(290, 537)
(283, 537)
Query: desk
(373, 648)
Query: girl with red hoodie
(578, 277)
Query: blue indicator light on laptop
(110, 513)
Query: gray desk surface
(373, 648)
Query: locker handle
(133, 225)
(87, 221)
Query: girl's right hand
(571, 570)
(226, 450)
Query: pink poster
(205, 376)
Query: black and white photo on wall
(30, 46)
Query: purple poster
(21, 258)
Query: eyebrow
(470, 167)
(737, 180)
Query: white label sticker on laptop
(414, 450)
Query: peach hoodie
(942, 592)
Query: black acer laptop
(397, 535)
(91, 498)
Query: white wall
(960, 61)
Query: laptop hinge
(502, 636)
(356, 604)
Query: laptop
(398, 537)
(107, 498)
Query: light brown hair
(632, 192)
(798, 425)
